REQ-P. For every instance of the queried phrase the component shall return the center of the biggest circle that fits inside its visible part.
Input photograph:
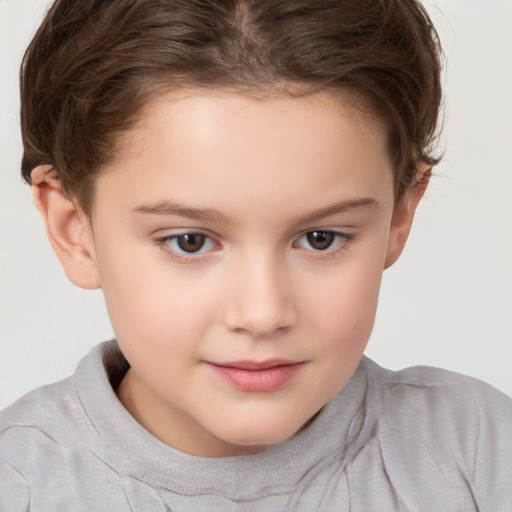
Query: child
(235, 176)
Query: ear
(403, 214)
(68, 229)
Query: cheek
(155, 302)
(342, 314)
(348, 299)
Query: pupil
(192, 242)
(320, 240)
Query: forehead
(212, 143)
(297, 109)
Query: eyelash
(164, 244)
(343, 241)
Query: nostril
(259, 302)
(263, 334)
(260, 323)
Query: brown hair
(94, 64)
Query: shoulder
(56, 414)
(431, 390)
(436, 396)
(34, 433)
(42, 419)
(447, 386)
(454, 428)
(49, 443)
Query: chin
(260, 434)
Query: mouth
(263, 376)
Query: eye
(188, 243)
(322, 240)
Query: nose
(260, 300)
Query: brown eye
(191, 242)
(320, 240)
(187, 246)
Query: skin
(254, 176)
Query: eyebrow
(181, 210)
(362, 203)
(212, 215)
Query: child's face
(240, 331)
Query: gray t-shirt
(421, 439)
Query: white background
(448, 301)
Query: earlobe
(68, 229)
(403, 215)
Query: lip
(261, 376)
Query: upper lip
(256, 365)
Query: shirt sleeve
(447, 441)
(14, 489)
(493, 461)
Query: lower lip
(268, 379)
